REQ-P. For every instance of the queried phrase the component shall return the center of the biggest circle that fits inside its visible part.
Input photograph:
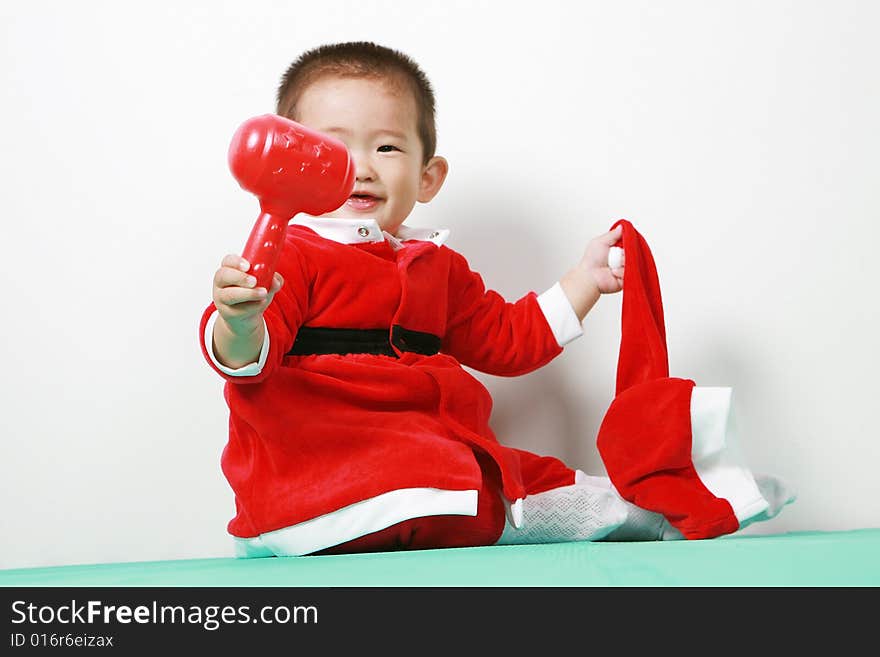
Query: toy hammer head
(290, 168)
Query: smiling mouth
(362, 201)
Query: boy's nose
(363, 169)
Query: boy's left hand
(595, 262)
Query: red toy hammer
(290, 169)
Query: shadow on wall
(542, 411)
(762, 400)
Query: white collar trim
(358, 231)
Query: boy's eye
(387, 148)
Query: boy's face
(377, 122)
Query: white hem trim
(560, 315)
(513, 511)
(251, 369)
(356, 520)
(716, 454)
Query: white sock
(644, 525)
(580, 512)
(640, 524)
(778, 494)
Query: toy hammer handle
(263, 246)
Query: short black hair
(361, 59)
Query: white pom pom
(615, 257)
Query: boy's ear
(433, 176)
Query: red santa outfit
(327, 447)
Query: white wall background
(739, 137)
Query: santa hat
(667, 445)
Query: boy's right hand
(239, 303)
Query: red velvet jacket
(311, 434)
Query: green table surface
(834, 558)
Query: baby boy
(353, 423)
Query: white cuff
(251, 369)
(560, 315)
(716, 453)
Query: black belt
(312, 341)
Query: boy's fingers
(235, 262)
(232, 296)
(612, 236)
(229, 276)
